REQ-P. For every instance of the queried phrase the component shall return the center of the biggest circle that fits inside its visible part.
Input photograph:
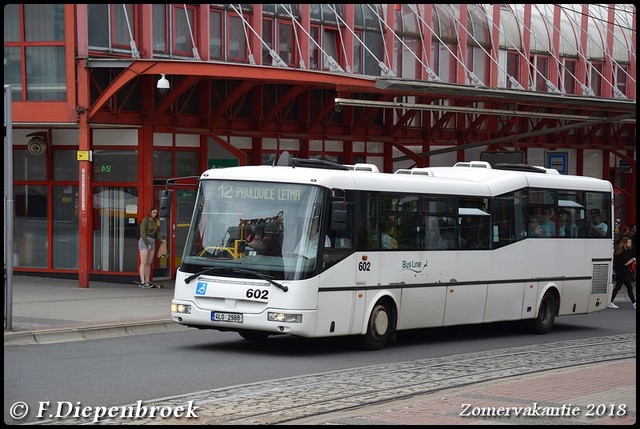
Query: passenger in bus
(533, 228)
(547, 225)
(597, 228)
(448, 239)
(258, 240)
(387, 241)
(565, 227)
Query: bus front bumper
(276, 321)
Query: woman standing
(622, 260)
(147, 245)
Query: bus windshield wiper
(205, 271)
(237, 271)
(262, 276)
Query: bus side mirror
(165, 203)
(339, 215)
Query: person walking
(147, 246)
(622, 260)
(632, 235)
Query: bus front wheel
(379, 327)
(546, 315)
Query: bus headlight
(284, 317)
(181, 308)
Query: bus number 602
(258, 293)
(364, 266)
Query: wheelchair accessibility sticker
(201, 288)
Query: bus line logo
(201, 288)
(415, 266)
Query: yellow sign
(83, 155)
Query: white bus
(421, 248)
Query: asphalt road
(123, 370)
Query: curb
(63, 335)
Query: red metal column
(495, 44)
(348, 35)
(146, 31)
(255, 20)
(305, 43)
(84, 172)
(582, 73)
(554, 65)
(608, 72)
(427, 20)
(461, 72)
(204, 34)
(388, 35)
(523, 77)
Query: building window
(596, 80)
(160, 25)
(622, 73)
(115, 229)
(27, 166)
(215, 35)
(373, 40)
(30, 226)
(358, 53)
(65, 165)
(407, 64)
(65, 227)
(185, 27)
(284, 36)
(314, 48)
(112, 27)
(187, 163)
(444, 62)
(267, 36)
(45, 73)
(285, 43)
(35, 51)
(513, 68)
(237, 40)
(569, 79)
(174, 30)
(540, 73)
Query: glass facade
(30, 226)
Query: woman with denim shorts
(147, 246)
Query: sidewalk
(56, 310)
(560, 397)
(48, 310)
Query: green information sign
(222, 163)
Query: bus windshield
(271, 228)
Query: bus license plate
(218, 316)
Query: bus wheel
(379, 327)
(546, 315)
(253, 335)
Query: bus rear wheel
(379, 327)
(546, 316)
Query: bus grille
(599, 279)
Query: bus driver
(309, 247)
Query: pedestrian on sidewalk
(147, 245)
(623, 259)
(632, 235)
